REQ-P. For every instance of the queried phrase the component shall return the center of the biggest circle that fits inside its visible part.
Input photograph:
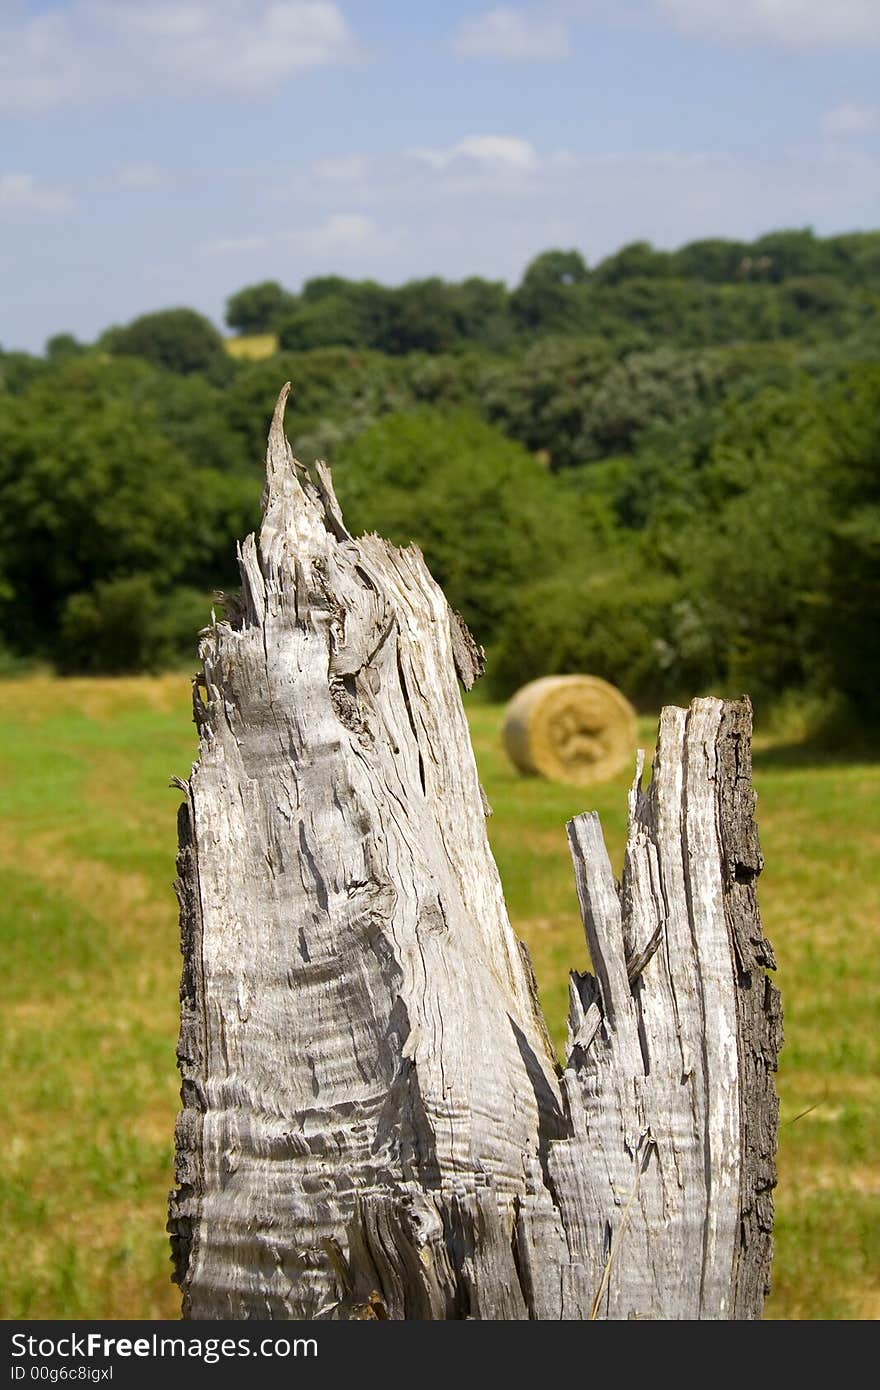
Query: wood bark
(374, 1123)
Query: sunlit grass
(90, 965)
(252, 347)
(88, 926)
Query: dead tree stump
(374, 1123)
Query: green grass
(90, 966)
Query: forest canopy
(662, 469)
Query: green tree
(483, 315)
(62, 346)
(93, 493)
(486, 514)
(748, 535)
(778, 255)
(18, 370)
(259, 308)
(643, 390)
(851, 619)
(422, 319)
(855, 258)
(327, 323)
(612, 623)
(547, 298)
(636, 261)
(816, 304)
(336, 394)
(334, 312)
(712, 259)
(326, 287)
(130, 624)
(543, 399)
(179, 339)
(189, 410)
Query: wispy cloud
(344, 169)
(502, 151)
(140, 176)
(515, 35)
(337, 233)
(347, 228)
(113, 50)
(234, 245)
(516, 200)
(793, 24)
(548, 31)
(850, 119)
(25, 195)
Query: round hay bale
(570, 729)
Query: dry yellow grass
(253, 347)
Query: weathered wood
(374, 1123)
(673, 1088)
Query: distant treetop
(710, 290)
(179, 339)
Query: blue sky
(164, 152)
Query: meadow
(90, 967)
(253, 347)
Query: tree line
(673, 512)
(783, 284)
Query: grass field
(90, 966)
(252, 347)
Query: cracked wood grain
(373, 1122)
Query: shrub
(487, 515)
(179, 339)
(259, 308)
(614, 625)
(128, 624)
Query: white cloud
(545, 32)
(515, 35)
(339, 232)
(344, 169)
(111, 50)
(671, 197)
(502, 151)
(458, 219)
(140, 175)
(793, 24)
(24, 195)
(850, 119)
(233, 246)
(347, 228)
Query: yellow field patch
(44, 696)
(252, 347)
